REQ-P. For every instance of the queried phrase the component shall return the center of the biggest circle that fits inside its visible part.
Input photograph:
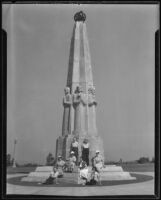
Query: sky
(121, 40)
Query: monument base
(40, 174)
(95, 143)
(64, 145)
(109, 173)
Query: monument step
(109, 172)
(73, 177)
(110, 176)
(45, 174)
(44, 169)
(112, 168)
(39, 175)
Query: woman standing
(85, 151)
(74, 148)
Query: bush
(30, 165)
(110, 162)
(9, 160)
(50, 160)
(143, 160)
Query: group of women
(84, 150)
(86, 175)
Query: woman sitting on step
(83, 175)
(59, 167)
(98, 164)
(56, 173)
(70, 163)
(72, 160)
(86, 175)
(53, 178)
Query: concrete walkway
(143, 188)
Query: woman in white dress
(72, 160)
(59, 168)
(83, 173)
(98, 164)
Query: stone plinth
(39, 175)
(96, 143)
(109, 173)
(64, 144)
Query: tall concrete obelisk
(79, 118)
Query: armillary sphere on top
(80, 16)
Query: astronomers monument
(79, 101)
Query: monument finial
(80, 16)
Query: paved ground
(144, 188)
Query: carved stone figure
(91, 96)
(79, 104)
(79, 97)
(67, 101)
(80, 16)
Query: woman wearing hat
(83, 175)
(98, 164)
(60, 166)
(85, 151)
(74, 148)
(72, 160)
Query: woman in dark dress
(85, 151)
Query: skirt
(85, 155)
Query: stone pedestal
(96, 143)
(64, 144)
(109, 173)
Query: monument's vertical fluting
(79, 118)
